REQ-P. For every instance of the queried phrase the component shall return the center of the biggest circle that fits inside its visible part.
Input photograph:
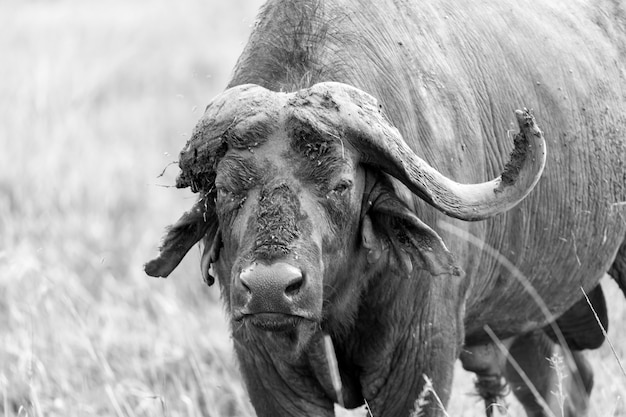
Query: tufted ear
(411, 242)
(179, 238)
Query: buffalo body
(311, 231)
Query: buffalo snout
(273, 294)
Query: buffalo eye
(223, 192)
(341, 188)
(229, 199)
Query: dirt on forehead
(243, 117)
(278, 221)
(240, 118)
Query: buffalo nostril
(244, 278)
(294, 286)
(245, 285)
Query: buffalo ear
(413, 244)
(180, 237)
(370, 241)
(211, 252)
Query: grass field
(97, 99)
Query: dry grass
(608, 396)
(96, 99)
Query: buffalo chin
(284, 334)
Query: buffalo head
(295, 204)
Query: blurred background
(96, 101)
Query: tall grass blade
(333, 369)
(606, 336)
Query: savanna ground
(96, 99)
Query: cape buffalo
(325, 226)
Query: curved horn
(359, 117)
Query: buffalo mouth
(274, 322)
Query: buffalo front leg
(488, 362)
(413, 390)
(411, 374)
(551, 384)
(281, 386)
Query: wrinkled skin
(309, 235)
(327, 233)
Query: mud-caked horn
(357, 117)
(240, 117)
